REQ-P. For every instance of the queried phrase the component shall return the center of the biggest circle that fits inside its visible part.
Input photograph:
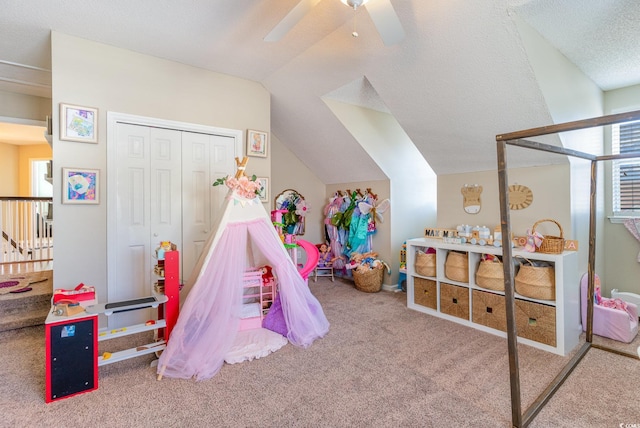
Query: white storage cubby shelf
(551, 325)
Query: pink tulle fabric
(209, 318)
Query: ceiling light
(354, 3)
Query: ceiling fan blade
(289, 21)
(386, 21)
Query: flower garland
(246, 187)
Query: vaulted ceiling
(459, 77)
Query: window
(626, 172)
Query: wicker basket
(369, 281)
(490, 275)
(456, 267)
(537, 282)
(426, 264)
(550, 244)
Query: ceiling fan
(381, 11)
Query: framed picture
(257, 143)
(80, 186)
(264, 188)
(78, 123)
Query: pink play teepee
(208, 323)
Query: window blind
(626, 173)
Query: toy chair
(325, 263)
(614, 323)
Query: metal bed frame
(519, 139)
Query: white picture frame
(264, 188)
(80, 186)
(257, 143)
(78, 123)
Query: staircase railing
(27, 228)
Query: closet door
(205, 158)
(149, 210)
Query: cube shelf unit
(551, 325)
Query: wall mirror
(291, 200)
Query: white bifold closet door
(164, 193)
(205, 158)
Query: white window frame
(618, 211)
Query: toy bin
(454, 300)
(536, 321)
(489, 309)
(425, 293)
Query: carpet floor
(380, 365)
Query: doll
(326, 256)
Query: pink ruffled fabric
(616, 304)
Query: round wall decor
(520, 197)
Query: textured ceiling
(459, 77)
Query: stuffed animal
(267, 275)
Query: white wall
(91, 74)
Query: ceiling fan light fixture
(354, 3)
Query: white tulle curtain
(633, 226)
(209, 318)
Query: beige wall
(570, 95)
(111, 79)
(412, 182)
(24, 106)
(287, 172)
(26, 155)
(549, 185)
(15, 165)
(621, 248)
(9, 155)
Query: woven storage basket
(426, 264)
(537, 282)
(550, 244)
(490, 275)
(369, 281)
(536, 321)
(456, 267)
(489, 309)
(454, 300)
(425, 292)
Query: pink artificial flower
(302, 208)
(231, 182)
(243, 186)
